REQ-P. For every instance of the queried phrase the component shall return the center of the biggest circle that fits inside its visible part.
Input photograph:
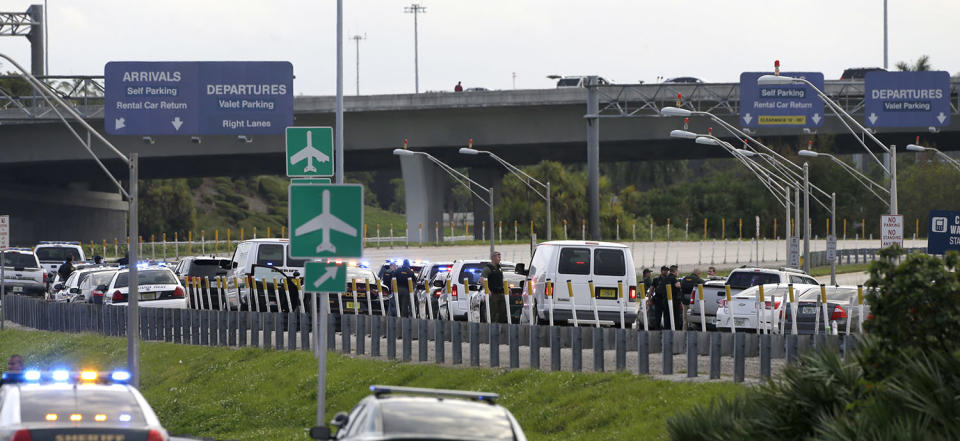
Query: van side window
(574, 261)
(270, 255)
(608, 262)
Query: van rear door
(609, 272)
(574, 265)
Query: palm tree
(922, 65)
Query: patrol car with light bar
(63, 405)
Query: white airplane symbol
(309, 153)
(326, 222)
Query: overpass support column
(56, 213)
(593, 156)
(424, 186)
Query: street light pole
(520, 174)
(415, 9)
(133, 294)
(893, 179)
(833, 232)
(357, 38)
(338, 132)
(806, 218)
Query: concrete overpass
(523, 126)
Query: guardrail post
(439, 340)
(765, 347)
(739, 353)
(692, 353)
(169, 329)
(513, 339)
(292, 331)
(666, 350)
(597, 349)
(361, 334)
(407, 330)
(534, 346)
(474, 344)
(375, 336)
(422, 337)
(266, 320)
(576, 342)
(494, 344)
(715, 353)
(620, 347)
(345, 331)
(392, 337)
(643, 352)
(555, 347)
(456, 343)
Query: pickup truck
(22, 273)
(738, 280)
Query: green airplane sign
(326, 220)
(309, 151)
(324, 277)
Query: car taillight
(454, 291)
(44, 277)
(838, 313)
(118, 296)
(21, 435)
(96, 293)
(154, 435)
(776, 305)
(178, 292)
(633, 293)
(437, 292)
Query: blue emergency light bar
(66, 376)
(59, 242)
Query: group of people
(669, 284)
(403, 276)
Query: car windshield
(148, 277)
(471, 272)
(100, 278)
(115, 405)
(746, 279)
(434, 269)
(19, 260)
(270, 255)
(57, 254)
(446, 418)
(834, 294)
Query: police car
(406, 413)
(65, 405)
(156, 284)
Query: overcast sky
(483, 43)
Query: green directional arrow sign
(324, 277)
(309, 151)
(326, 220)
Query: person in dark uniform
(66, 269)
(402, 275)
(688, 287)
(493, 274)
(661, 311)
(678, 303)
(648, 289)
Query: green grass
(254, 394)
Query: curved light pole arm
(459, 177)
(762, 177)
(520, 174)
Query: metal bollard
(456, 343)
(513, 340)
(692, 353)
(643, 352)
(494, 344)
(715, 353)
(392, 337)
(407, 331)
(555, 348)
(621, 349)
(423, 338)
(439, 340)
(361, 334)
(576, 341)
(597, 349)
(666, 351)
(534, 346)
(765, 356)
(474, 344)
(375, 336)
(739, 353)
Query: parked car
(202, 266)
(842, 308)
(264, 253)
(423, 289)
(859, 73)
(77, 287)
(394, 412)
(355, 298)
(744, 305)
(154, 284)
(739, 279)
(23, 273)
(604, 266)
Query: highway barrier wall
(717, 355)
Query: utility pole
(415, 9)
(885, 34)
(357, 38)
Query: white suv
(559, 267)
(22, 273)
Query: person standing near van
(66, 269)
(688, 288)
(493, 274)
(661, 312)
(402, 275)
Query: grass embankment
(254, 394)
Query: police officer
(688, 288)
(402, 275)
(65, 269)
(661, 317)
(493, 274)
(648, 288)
(678, 303)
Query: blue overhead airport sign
(198, 98)
(786, 105)
(944, 232)
(907, 99)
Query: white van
(607, 265)
(264, 252)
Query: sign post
(891, 230)
(907, 99)
(782, 105)
(944, 233)
(4, 244)
(793, 259)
